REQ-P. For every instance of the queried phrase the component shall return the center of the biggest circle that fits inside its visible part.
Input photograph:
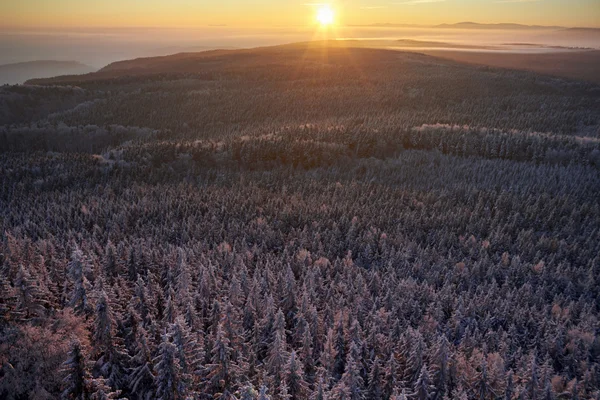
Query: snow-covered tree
(294, 378)
(168, 381)
(77, 380)
(141, 378)
(423, 388)
(78, 270)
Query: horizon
(16, 28)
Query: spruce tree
(375, 386)
(81, 286)
(297, 386)
(221, 372)
(168, 381)
(423, 387)
(141, 378)
(111, 359)
(351, 384)
(77, 381)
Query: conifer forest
(300, 222)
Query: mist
(98, 47)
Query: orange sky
(264, 13)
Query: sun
(325, 15)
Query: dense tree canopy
(407, 242)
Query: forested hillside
(300, 223)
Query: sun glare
(325, 15)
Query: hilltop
(573, 64)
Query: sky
(287, 13)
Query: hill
(20, 72)
(573, 64)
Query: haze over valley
(98, 47)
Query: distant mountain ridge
(17, 73)
(476, 25)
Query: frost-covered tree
(78, 269)
(441, 367)
(189, 352)
(294, 378)
(110, 357)
(221, 373)
(110, 265)
(263, 395)
(351, 384)
(30, 299)
(168, 381)
(277, 357)
(423, 388)
(141, 377)
(375, 386)
(247, 392)
(77, 380)
(102, 391)
(399, 395)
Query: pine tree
(231, 328)
(132, 265)
(355, 336)
(548, 391)
(104, 324)
(327, 358)
(141, 301)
